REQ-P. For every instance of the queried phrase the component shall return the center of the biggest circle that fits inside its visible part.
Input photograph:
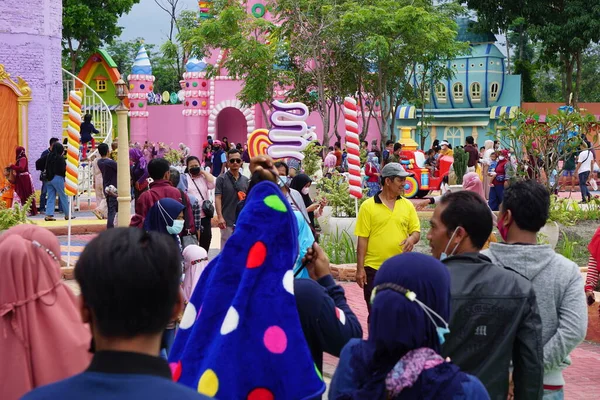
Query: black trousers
(368, 289)
(206, 235)
(112, 204)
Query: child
(493, 163)
(431, 162)
(86, 130)
(195, 260)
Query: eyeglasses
(236, 160)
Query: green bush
(16, 215)
(461, 159)
(339, 247)
(568, 212)
(337, 192)
(312, 159)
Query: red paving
(581, 377)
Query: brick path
(582, 379)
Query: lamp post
(123, 176)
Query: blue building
(472, 101)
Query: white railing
(91, 103)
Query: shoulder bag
(187, 238)
(207, 206)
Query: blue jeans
(57, 186)
(554, 394)
(496, 196)
(585, 193)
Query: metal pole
(123, 175)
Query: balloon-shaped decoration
(158, 98)
(174, 98)
(181, 95)
(258, 142)
(151, 98)
(165, 96)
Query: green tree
(88, 25)
(123, 53)
(254, 52)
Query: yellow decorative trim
(23, 91)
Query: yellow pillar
(433, 133)
(123, 174)
(406, 139)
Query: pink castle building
(141, 83)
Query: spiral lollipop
(258, 142)
(73, 129)
(353, 146)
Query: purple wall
(30, 36)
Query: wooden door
(9, 128)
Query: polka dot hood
(240, 336)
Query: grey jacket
(560, 296)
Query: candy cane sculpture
(353, 146)
(288, 134)
(73, 128)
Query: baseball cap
(444, 143)
(394, 169)
(217, 143)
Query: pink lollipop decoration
(353, 146)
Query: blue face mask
(176, 228)
(443, 256)
(282, 181)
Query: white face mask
(501, 158)
(305, 190)
(443, 256)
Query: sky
(147, 20)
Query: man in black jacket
(494, 315)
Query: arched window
(494, 91)
(475, 91)
(440, 92)
(458, 92)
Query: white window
(494, 91)
(458, 91)
(476, 92)
(440, 92)
(455, 135)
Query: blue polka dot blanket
(240, 336)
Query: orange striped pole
(72, 176)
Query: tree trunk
(568, 69)
(507, 53)
(577, 79)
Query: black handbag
(207, 206)
(187, 238)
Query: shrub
(15, 215)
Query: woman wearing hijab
(233, 343)
(498, 181)
(486, 162)
(42, 337)
(23, 183)
(195, 260)
(472, 183)
(400, 359)
(166, 216)
(302, 184)
(56, 171)
(139, 171)
(372, 171)
(198, 183)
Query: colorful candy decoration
(289, 133)
(173, 98)
(259, 10)
(204, 6)
(72, 175)
(353, 146)
(165, 96)
(258, 142)
(410, 187)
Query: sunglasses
(236, 160)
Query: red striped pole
(353, 146)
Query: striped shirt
(591, 280)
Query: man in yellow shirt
(387, 225)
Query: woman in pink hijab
(195, 260)
(42, 337)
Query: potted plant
(311, 165)
(459, 166)
(340, 213)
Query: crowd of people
(157, 319)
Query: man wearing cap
(219, 158)
(446, 150)
(387, 225)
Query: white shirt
(586, 158)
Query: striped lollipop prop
(258, 142)
(73, 128)
(353, 146)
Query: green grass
(571, 247)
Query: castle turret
(141, 82)
(196, 104)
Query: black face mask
(195, 170)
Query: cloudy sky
(149, 21)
